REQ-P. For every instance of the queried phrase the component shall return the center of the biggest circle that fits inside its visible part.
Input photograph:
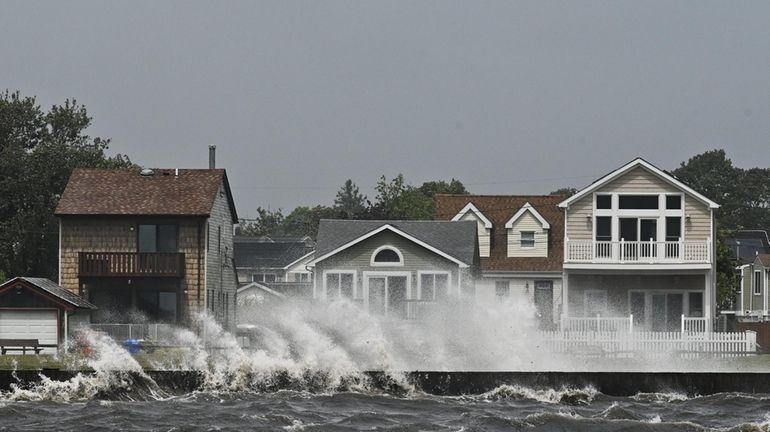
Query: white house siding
(698, 227)
(638, 180)
(527, 222)
(221, 285)
(579, 224)
(484, 233)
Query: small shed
(38, 308)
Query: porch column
(708, 298)
(564, 295)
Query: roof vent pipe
(146, 172)
(212, 156)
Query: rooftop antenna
(212, 156)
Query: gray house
(395, 268)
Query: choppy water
(504, 409)
(303, 373)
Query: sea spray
(116, 375)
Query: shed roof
(167, 192)
(53, 289)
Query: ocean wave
(662, 397)
(564, 395)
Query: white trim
(60, 258)
(365, 285)
(756, 282)
(394, 230)
(420, 273)
(528, 207)
(374, 263)
(628, 167)
(340, 271)
(298, 260)
(634, 266)
(477, 212)
(260, 286)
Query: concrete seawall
(457, 383)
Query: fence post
(631, 323)
(129, 331)
(751, 341)
(622, 251)
(682, 323)
(598, 322)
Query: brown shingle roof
(764, 259)
(499, 209)
(93, 191)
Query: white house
(638, 241)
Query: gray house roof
(456, 239)
(55, 290)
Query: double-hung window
(434, 286)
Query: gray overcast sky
(509, 97)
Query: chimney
(212, 156)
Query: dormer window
(387, 256)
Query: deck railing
(644, 344)
(593, 251)
(130, 264)
(598, 323)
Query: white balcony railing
(593, 251)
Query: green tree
(727, 284)
(303, 221)
(712, 174)
(349, 201)
(38, 151)
(566, 192)
(398, 200)
(267, 222)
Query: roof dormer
(484, 226)
(527, 233)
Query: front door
(376, 295)
(544, 304)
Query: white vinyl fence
(626, 324)
(641, 344)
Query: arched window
(387, 256)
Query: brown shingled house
(521, 246)
(155, 245)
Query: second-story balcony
(638, 252)
(130, 264)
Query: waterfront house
(520, 247)
(638, 241)
(752, 303)
(269, 259)
(151, 245)
(395, 268)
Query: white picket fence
(644, 344)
